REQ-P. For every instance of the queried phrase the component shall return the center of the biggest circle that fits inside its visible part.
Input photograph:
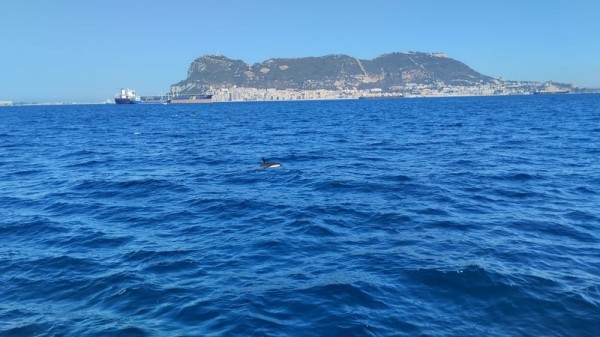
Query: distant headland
(393, 75)
(411, 74)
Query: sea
(465, 216)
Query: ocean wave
(431, 217)
(101, 189)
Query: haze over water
(471, 216)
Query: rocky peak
(332, 72)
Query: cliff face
(333, 72)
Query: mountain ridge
(343, 76)
(331, 72)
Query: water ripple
(431, 217)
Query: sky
(86, 50)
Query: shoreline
(25, 104)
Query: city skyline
(86, 51)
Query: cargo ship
(182, 99)
(153, 100)
(127, 96)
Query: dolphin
(269, 164)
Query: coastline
(26, 104)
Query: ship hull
(125, 101)
(191, 99)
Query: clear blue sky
(86, 50)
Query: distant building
(5, 103)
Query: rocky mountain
(388, 72)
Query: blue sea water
(471, 216)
